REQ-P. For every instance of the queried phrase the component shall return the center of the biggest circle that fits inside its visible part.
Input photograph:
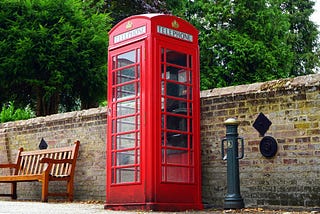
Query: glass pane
(126, 158)
(113, 142)
(126, 58)
(176, 74)
(127, 107)
(138, 55)
(113, 160)
(162, 55)
(113, 178)
(163, 138)
(177, 123)
(162, 88)
(138, 140)
(125, 175)
(190, 93)
(177, 58)
(176, 106)
(177, 174)
(177, 157)
(114, 62)
(163, 121)
(125, 75)
(163, 72)
(164, 173)
(177, 140)
(191, 175)
(138, 122)
(191, 161)
(138, 71)
(176, 90)
(126, 141)
(137, 174)
(162, 103)
(126, 91)
(126, 124)
(113, 126)
(137, 159)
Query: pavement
(28, 207)
(31, 207)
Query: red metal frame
(153, 135)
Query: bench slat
(32, 164)
(37, 165)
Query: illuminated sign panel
(130, 34)
(174, 33)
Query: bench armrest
(55, 161)
(8, 165)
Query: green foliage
(10, 113)
(302, 36)
(103, 103)
(240, 43)
(121, 9)
(245, 41)
(52, 53)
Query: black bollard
(233, 199)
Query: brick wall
(291, 178)
(88, 126)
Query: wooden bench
(47, 165)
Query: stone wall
(291, 178)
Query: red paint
(153, 135)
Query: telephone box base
(154, 206)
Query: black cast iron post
(233, 199)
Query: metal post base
(233, 203)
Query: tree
(121, 9)
(245, 41)
(303, 36)
(240, 43)
(52, 53)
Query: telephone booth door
(153, 132)
(124, 129)
(178, 173)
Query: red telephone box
(153, 135)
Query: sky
(316, 15)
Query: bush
(9, 113)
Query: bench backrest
(29, 161)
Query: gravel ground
(30, 207)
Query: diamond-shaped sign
(262, 124)
(43, 144)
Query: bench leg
(45, 189)
(70, 190)
(14, 190)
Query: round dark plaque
(268, 146)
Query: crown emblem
(129, 25)
(175, 24)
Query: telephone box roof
(153, 23)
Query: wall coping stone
(54, 117)
(273, 85)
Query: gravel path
(30, 207)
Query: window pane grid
(125, 153)
(176, 113)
